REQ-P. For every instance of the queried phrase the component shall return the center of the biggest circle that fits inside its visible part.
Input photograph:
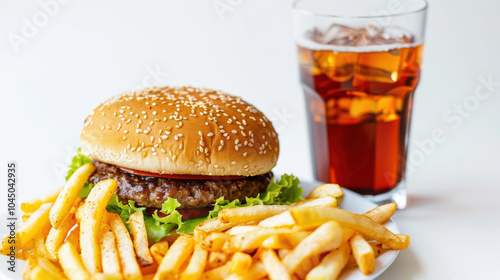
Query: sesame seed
(165, 137)
(154, 113)
(176, 137)
(180, 135)
(124, 138)
(234, 131)
(180, 146)
(202, 143)
(236, 141)
(163, 150)
(210, 134)
(152, 138)
(233, 163)
(201, 149)
(245, 154)
(199, 133)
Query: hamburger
(180, 155)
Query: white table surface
(91, 50)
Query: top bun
(181, 130)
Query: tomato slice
(180, 176)
(186, 213)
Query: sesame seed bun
(181, 130)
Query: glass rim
(307, 12)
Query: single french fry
(326, 237)
(41, 250)
(273, 266)
(90, 226)
(221, 272)
(214, 224)
(251, 213)
(318, 215)
(107, 276)
(51, 268)
(363, 254)
(216, 259)
(215, 241)
(381, 214)
(69, 194)
(74, 238)
(240, 263)
(56, 236)
(33, 205)
(109, 251)
(276, 242)
(196, 264)
(332, 190)
(251, 240)
(36, 223)
(285, 219)
(242, 229)
(140, 235)
(332, 264)
(72, 263)
(158, 251)
(131, 270)
(306, 266)
(176, 256)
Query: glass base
(396, 195)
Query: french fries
(109, 251)
(257, 213)
(95, 206)
(175, 258)
(363, 254)
(196, 264)
(36, 223)
(326, 190)
(326, 237)
(131, 270)
(310, 239)
(69, 194)
(72, 263)
(240, 263)
(140, 235)
(56, 236)
(317, 215)
(332, 264)
(33, 205)
(273, 265)
(158, 251)
(381, 214)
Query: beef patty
(191, 194)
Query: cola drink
(359, 85)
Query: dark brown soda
(359, 106)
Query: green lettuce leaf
(76, 163)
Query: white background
(89, 51)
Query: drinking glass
(359, 64)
